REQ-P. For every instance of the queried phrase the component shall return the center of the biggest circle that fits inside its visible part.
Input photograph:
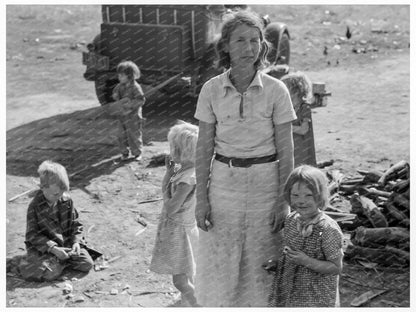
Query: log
(23, 194)
(365, 206)
(407, 193)
(323, 164)
(382, 256)
(371, 176)
(368, 237)
(394, 213)
(403, 173)
(365, 297)
(336, 176)
(353, 181)
(401, 186)
(332, 187)
(349, 189)
(400, 201)
(400, 252)
(340, 216)
(392, 171)
(373, 192)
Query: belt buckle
(230, 163)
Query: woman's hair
(232, 21)
(298, 83)
(182, 140)
(129, 69)
(53, 173)
(314, 179)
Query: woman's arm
(204, 154)
(284, 148)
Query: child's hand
(76, 249)
(60, 253)
(170, 164)
(297, 256)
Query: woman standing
(244, 155)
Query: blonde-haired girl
(308, 272)
(177, 233)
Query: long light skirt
(230, 256)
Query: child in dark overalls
(130, 96)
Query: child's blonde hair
(130, 69)
(314, 179)
(182, 139)
(53, 173)
(299, 84)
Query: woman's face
(244, 46)
(303, 200)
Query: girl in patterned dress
(177, 234)
(307, 273)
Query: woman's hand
(270, 265)
(202, 216)
(277, 218)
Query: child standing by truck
(129, 95)
(177, 233)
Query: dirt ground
(52, 113)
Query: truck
(169, 43)
(174, 47)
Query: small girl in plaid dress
(307, 274)
(177, 233)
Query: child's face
(123, 78)
(303, 200)
(174, 154)
(297, 100)
(244, 46)
(52, 193)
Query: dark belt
(245, 162)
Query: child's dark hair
(298, 83)
(314, 179)
(130, 69)
(233, 20)
(53, 173)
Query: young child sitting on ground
(177, 233)
(129, 98)
(53, 232)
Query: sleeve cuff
(51, 244)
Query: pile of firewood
(374, 209)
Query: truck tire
(283, 56)
(279, 52)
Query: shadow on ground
(85, 141)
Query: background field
(51, 113)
